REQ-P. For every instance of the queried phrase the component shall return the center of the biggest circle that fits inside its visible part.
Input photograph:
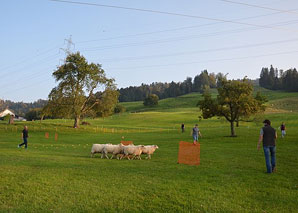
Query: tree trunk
(11, 119)
(77, 122)
(232, 129)
(237, 123)
(41, 118)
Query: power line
(30, 77)
(169, 13)
(259, 6)
(128, 8)
(174, 64)
(206, 61)
(206, 51)
(51, 57)
(176, 29)
(153, 42)
(67, 50)
(24, 87)
(25, 59)
(25, 77)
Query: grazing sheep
(115, 150)
(149, 150)
(135, 151)
(98, 148)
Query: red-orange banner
(189, 153)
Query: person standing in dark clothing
(268, 136)
(25, 137)
(182, 127)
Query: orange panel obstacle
(125, 143)
(46, 135)
(189, 153)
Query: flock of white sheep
(120, 151)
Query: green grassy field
(60, 176)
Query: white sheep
(149, 150)
(115, 150)
(135, 151)
(98, 148)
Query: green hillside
(276, 99)
(280, 100)
(276, 94)
(169, 104)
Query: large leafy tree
(235, 100)
(82, 89)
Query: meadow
(59, 175)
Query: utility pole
(68, 48)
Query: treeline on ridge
(173, 89)
(270, 78)
(274, 79)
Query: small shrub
(119, 109)
(151, 100)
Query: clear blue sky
(137, 47)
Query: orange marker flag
(125, 143)
(189, 153)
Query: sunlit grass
(60, 176)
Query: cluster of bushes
(119, 109)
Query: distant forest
(274, 79)
(173, 89)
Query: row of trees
(173, 89)
(274, 79)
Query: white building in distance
(6, 112)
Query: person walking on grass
(182, 127)
(283, 129)
(24, 136)
(268, 136)
(195, 134)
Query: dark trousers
(24, 143)
(269, 151)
